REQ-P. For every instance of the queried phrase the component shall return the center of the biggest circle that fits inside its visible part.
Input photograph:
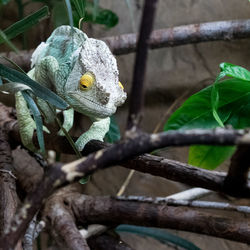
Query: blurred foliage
(88, 11)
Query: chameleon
(84, 73)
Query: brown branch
(58, 174)
(62, 225)
(8, 196)
(158, 166)
(111, 212)
(106, 241)
(60, 221)
(185, 34)
(137, 91)
(170, 37)
(237, 176)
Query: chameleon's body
(84, 73)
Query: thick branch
(137, 92)
(109, 211)
(185, 34)
(170, 37)
(238, 170)
(8, 196)
(63, 228)
(58, 175)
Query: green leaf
(37, 117)
(26, 23)
(13, 63)
(95, 9)
(70, 14)
(4, 2)
(14, 87)
(96, 14)
(59, 14)
(215, 103)
(158, 234)
(40, 91)
(215, 99)
(209, 157)
(113, 134)
(235, 71)
(5, 39)
(84, 180)
(196, 112)
(79, 6)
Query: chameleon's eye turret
(86, 81)
(120, 84)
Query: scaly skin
(84, 73)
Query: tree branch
(8, 196)
(181, 35)
(187, 203)
(238, 170)
(109, 211)
(137, 91)
(58, 174)
(170, 37)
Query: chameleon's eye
(120, 84)
(86, 81)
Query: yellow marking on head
(120, 84)
(86, 81)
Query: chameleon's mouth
(85, 105)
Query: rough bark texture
(109, 211)
(8, 195)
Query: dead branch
(8, 196)
(188, 203)
(63, 228)
(108, 211)
(58, 174)
(170, 37)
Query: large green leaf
(26, 23)
(40, 91)
(209, 157)
(158, 234)
(196, 112)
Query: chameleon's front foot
(97, 131)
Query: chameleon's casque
(84, 73)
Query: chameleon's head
(93, 86)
